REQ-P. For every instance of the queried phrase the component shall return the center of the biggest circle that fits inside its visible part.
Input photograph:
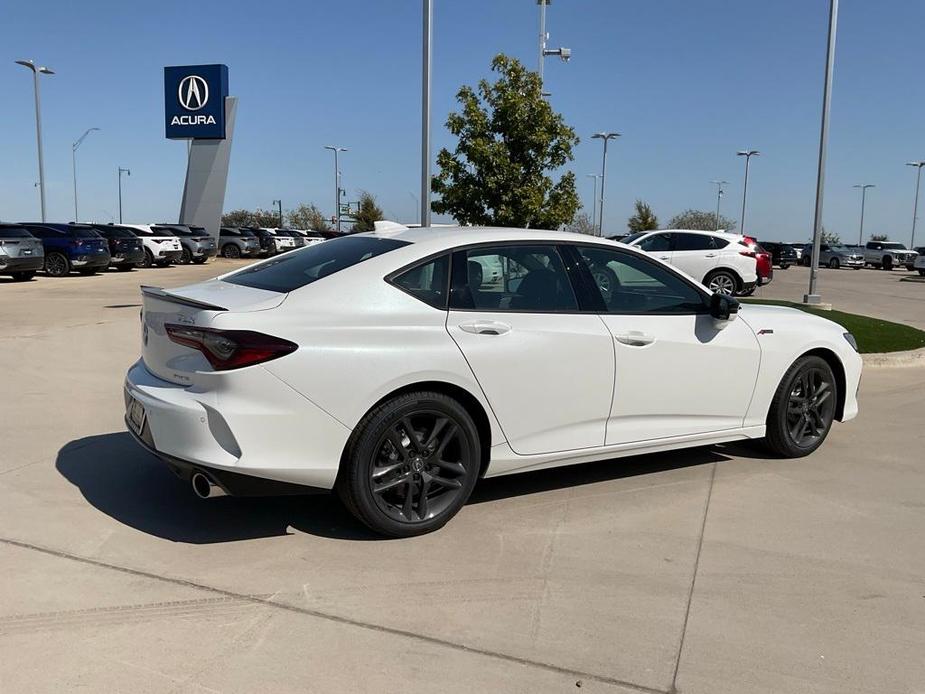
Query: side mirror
(723, 307)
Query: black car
(126, 250)
(782, 254)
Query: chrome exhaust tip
(204, 488)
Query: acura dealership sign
(194, 101)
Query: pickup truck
(888, 254)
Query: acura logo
(193, 92)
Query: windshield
(301, 267)
(14, 232)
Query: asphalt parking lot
(710, 570)
(898, 295)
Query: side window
(39, 232)
(693, 242)
(511, 278)
(657, 243)
(630, 284)
(427, 282)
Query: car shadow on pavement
(122, 480)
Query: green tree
(830, 237)
(237, 218)
(879, 237)
(265, 218)
(368, 214)
(508, 138)
(581, 224)
(643, 220)
(307, 216)
(699, 219)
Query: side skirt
(505, 462)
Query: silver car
(833, 256)
(21, 254)
(197, 244)
(238, 243)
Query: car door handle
(485, 327)
(663, 257)
(635, 339)
(710, 255)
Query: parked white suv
(723, 262)
(162, 246)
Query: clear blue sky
(687, 83)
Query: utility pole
(915, 208)
(564, 54)
(811, 297)
(74, 147)
(863, 187)
(719, 196)
(280, 203)
(606, 137)
(426, 58)
(748, 154)
(129, 173)
(36, 71)
(336, 149)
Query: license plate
(136, 415)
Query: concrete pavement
(710, 570)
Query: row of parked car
(59, 249)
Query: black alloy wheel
(803, 408)
(149, 259)
(56, 265)
(185, 256)
(834, 263)
(412, 464)
(231, 250)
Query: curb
(912, 357)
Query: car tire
(125, 268)
(199, 261)
(722, 282)
(26, 275)
(887, 263)
(805, 261)
(400, 489)
(57, 265)
(231, 250)
(784, 266)
(87, 272)
(607, 282)
(922, 273)
(162, 263)
(834, 263)
(149, 259)
(185, 257)
(803, 408)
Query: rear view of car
(238, 243)
(197, 244)
(782, 254)
(71, 247)
(162, 246)
(21, 254)
(125, 249)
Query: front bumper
(246, 422)
(168, 255)
(203, 251)
(852, 262)
(27, 264)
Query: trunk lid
(25, 247)
(193, 305)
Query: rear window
(299, 268)
(83, 233)
(116, 232)
(14, 232)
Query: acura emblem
(193, 92)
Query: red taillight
(230, 349)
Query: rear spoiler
(159, 293)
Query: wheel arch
(838, 369)
(725, 268)
(471, 404)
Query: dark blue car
(71, 247)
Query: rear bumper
(247, 424)
(27, 264)
(766, 279)
(86, 262)
(129, 258)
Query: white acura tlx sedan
(400, 366)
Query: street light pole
(915, 208)
(564, 54)
(594, 207)
(336, 149)
(719, 194)
(280, 203)
(38, 123)
(121, 171)
(426, 57)
(811, 297)
(74, 147)
(748, 154)
(863, 187)
(606, 137)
